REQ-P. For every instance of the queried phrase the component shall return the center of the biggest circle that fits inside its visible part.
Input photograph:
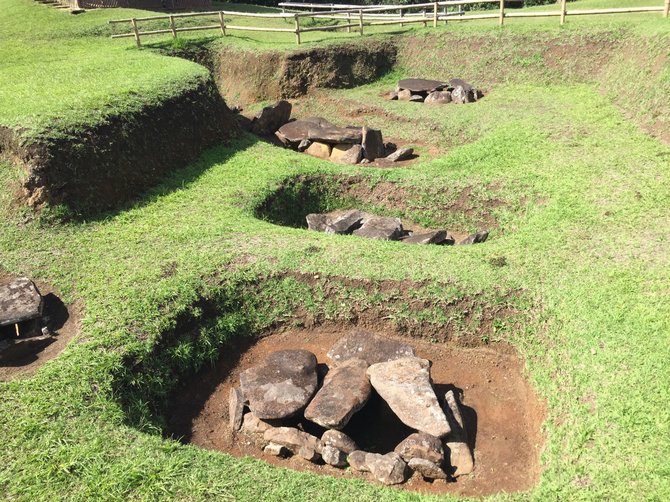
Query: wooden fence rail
(359, 17)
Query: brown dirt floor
(64, 320)
(502, 413)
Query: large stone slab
(372, 349)
(435, 237)
(416, 85)
(380, 228)
(20, 301)
(271, 118)
(406, 387)
(345, 390)
(298, 130)
(282, 385)
(334, 135)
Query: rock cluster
(435, 91)
(361, 363)
(22, 327)
(320, 138)
(362, 224)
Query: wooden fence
(359, 17)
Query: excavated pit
(501, 411)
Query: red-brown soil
(502, 413)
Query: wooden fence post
(563, 10)
(502, 12)
(360, 21)
(133, 21)
(223, 24)
(446, 12)
(425, 23)
(172, 27)
(402, 14)
(667, 8)
(297, 29)
(349, 22)
(435, 15)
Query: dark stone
(406, 387)
(345, 390)
(475, 238)
(416, 98)
(436, 237)
(421, 445)
(381, 228)
(235, 408)
(304, 145)
(360, 344)
(335, 135)
(271, 118)
(388, 469)
(346, 222)
(373, 144)
(438, 98)
(458, 82)
(282, 385)
(399, 155)
(12, 349)
(19, 301)
(417, 85)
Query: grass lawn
(584, 230)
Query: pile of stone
(435, 92)
(22, 327)
(320, 138)
(286, 386)
(362, 224)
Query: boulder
(406, 387)
(458, 452)
(438, 98)
(421, 445)
(421, 85)
(20, 301)
(416, 98)
(282, 385)
(345, 222)
(475, 238)
(393, 95)
(346, 153)
(271, 118)
(317, 221)
(274, 449)
(400, 154)
(235, 409)
(360, 344)
(356, 460)
(319, 150)
(388, 469)
(427, 469)
(338, 440)
(436, 237)
(373, 144)
(380, 228)
(345, 390)
(334, 456)
(251, 424)
(296, 441)
(404, 95)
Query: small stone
(404, 95)
(399, 155)
(274, 449)
(235, 408)
(347, 154)
(282, 385)
(253, 425)
(373, 144)
(319, 150)
(438, 98)
(365, 161)
(406, 387)
(19, 301)
(296, 441)
(346, 222)
(339, 440)
(437, 237)
(475, 238)
(308, 453)
(460, 458)
(333, 456)
(416, 98)
(393, 95)
(356, 460)
(380, 228)
(428, 469)
(371, 348)
(345, 390)
(318, 221)
(304, 145)
(388, 469)
(271, 118)
(421, 445)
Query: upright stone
(271, 118)
(345, 390)
(459, 454)
(373, 144)
(235, 408)
(438, 98)
(405, 386)
(360, 344)
(282, 385)
(344, 153)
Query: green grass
(588, 251)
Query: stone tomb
(436, 92)
(362, 366)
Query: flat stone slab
(421, 85)
(282, 385)
(406, 387)
(380, 228)
(335, 135)
(436, 237)
(372, 349)
(399, 155)
(298, 130)
(475, 238)
(345, 390)
(20, 301)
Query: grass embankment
(588, 250)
